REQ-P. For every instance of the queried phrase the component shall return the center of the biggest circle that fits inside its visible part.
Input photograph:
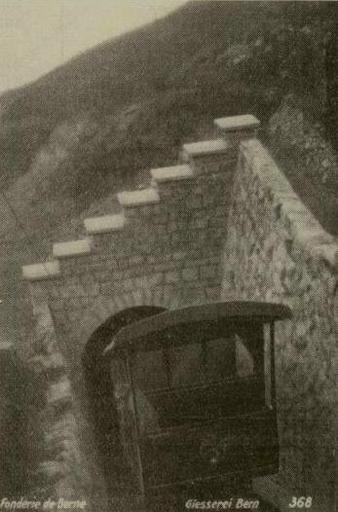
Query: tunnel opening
(100, 393)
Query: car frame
(197, 433)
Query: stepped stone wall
(276, 251)
(163, 249)
(197, 234)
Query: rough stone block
(172, 277)
(213, 293)
(190, 274)
(128, 285)
(136, 260)
(329, 253)
(60, 396)
(196, 201)
(179, 255)
(165, 266)
(209, 272)
(52, 366)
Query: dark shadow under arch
(100, 393)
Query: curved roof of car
(239, 312)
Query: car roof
(240, 312)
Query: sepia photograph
(168, 255)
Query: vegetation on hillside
(95, 125)
(205, 60)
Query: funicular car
(195, 393)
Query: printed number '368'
(302, 502)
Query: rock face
(307, 158)
(276, 251)
(289, 127)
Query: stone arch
(98, 384)
(104, 307)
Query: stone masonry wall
(163, 249)
(59, 470)
(276, 251)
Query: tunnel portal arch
(99, 390)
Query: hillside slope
(74, 137)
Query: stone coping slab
(73, 248)
(237, 123)
(39, 271)
(6, 345)
(138, 197)
(174, 173)
(206, 147)
(104, 224)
